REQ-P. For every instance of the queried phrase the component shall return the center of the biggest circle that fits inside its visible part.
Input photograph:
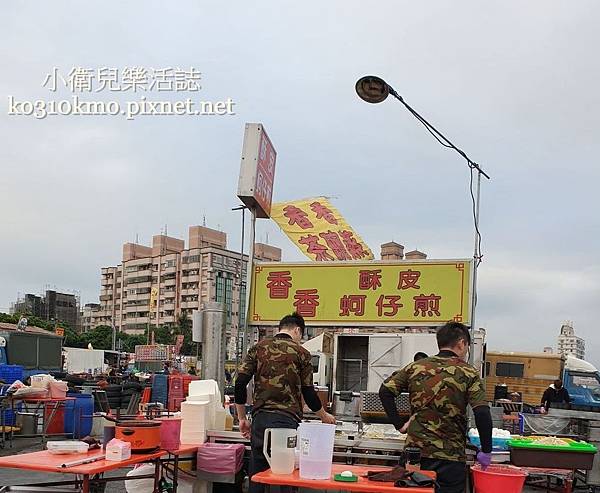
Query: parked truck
(84, 360)
(363, 362)
(356, 362)
(321, 350)
(530, 374)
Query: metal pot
(144, 436)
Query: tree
(31, 320)
(99, 338)
(73, 339)
(185, 328)
(168, 335)
(129, 342)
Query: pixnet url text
(74, 106)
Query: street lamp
(373, 89)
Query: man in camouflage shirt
(440, 389)
(283, 374)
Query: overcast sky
(515, 84)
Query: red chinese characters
(335, 244)
(355, 249)
(369, 279)
(389, 302)
(408, 279)
(306, 302)
(323, 212)
(352, 303)
(427, 305)
(279, 284)
(297, 216)
(313, 247)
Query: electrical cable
(473, 166)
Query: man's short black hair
(292, 321)
(448, 335)
(420, 355)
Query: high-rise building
(569, 343)
(52, 306)
(87, 316)
(155, 286)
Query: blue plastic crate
(11, 373)
(10, 417)
(160, 388)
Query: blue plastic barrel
(79, 415)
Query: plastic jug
(283, 446)
(316, 450)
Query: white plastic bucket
(283, 449)
(316, 450)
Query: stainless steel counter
(355, 448)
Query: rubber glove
(485, 459)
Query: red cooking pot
(144, 436)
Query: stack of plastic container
(160, 388)
(176, 395)
(187, 379)
(202, 411)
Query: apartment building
(87, 316)
(569, 343)
(154, 286)
(51, 306)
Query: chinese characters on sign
(401, 293)
(319, 230)
(132, 79)
(257, 171)
(265, 172)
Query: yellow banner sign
(428, 292)
(153, 297)
(319, 230)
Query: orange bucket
(496, 478)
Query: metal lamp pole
(240, 274)
(373, 89)
(114, 336)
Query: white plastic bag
(140, 485)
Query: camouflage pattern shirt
(440, 388)
(281, 367)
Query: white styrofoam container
(67, 447)
(194, 418)
(41, 381)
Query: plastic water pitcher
(283, 447)
(316, 450)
